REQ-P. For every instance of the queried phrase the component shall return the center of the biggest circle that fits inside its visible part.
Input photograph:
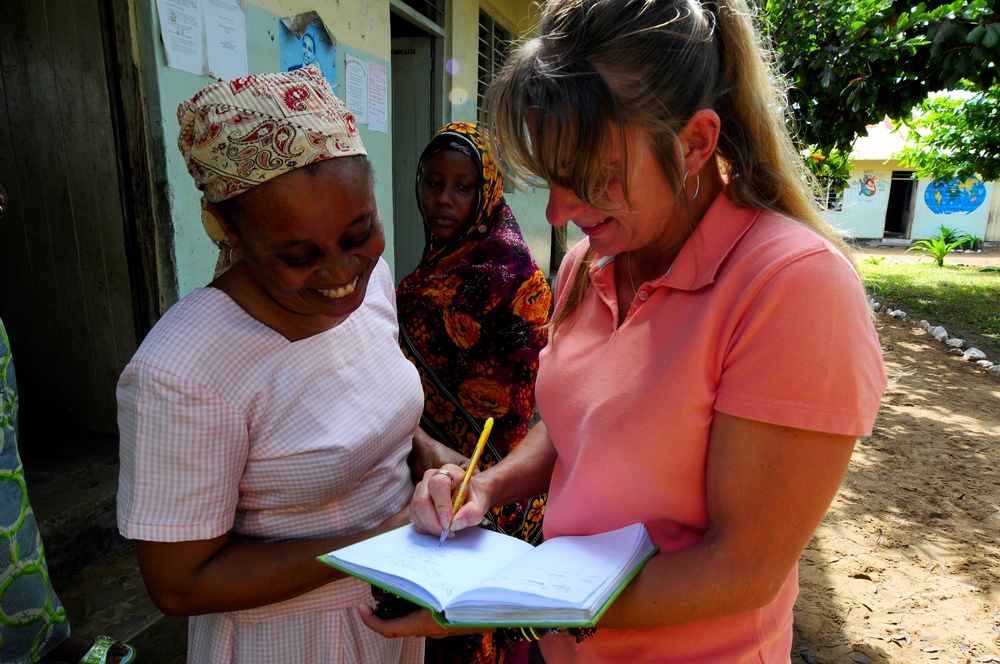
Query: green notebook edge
(419, 602)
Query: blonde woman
(712, 358)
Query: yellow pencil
(464, 486)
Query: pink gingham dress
(227, 426)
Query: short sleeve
(183, 450)
(805, 352)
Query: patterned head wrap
(238, 134)
(474, 143)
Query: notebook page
(565, 571)
(406, 559)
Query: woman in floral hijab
(472, 318)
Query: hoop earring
(226, 246)
(697, 183)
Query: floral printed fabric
(32, 619)
(473, 318)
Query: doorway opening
(417, 31)
(899, 211)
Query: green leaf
(990, 37)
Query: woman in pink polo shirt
(711, 360)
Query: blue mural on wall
(955, 196)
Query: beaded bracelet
(530, 634)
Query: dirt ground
(906, 565)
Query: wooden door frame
(148, 252)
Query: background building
(881, 200)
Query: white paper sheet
(183, 34)
(378, 97)
(356, 75)
(226, 38)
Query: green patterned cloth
(32, 619)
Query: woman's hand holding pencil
(450, 511)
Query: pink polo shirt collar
(722, 227)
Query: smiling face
(449, 191)
(647, 220)
(310, 240)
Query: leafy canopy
(852, 63)
(955, 137)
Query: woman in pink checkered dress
(266, 419)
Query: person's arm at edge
(215, 575)
(768, 489)
(428, 452)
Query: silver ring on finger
(442, 471)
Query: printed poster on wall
(204, 37)
(305, 40)
(367, 93)
(226, 38)
(182, 34)
(378, 97)
(356, 94)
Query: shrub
(936, 247)
(971, 242)
(949, 235)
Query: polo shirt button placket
(643, 295)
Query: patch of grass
(964, 296)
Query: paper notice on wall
(356, 97)
(226, 38)
(378, 97)
(182, 33)
(204, 36)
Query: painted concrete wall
(864, 203)
(964, 206)
(461, 47)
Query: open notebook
(487, 579)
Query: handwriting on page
(572, 587)
(566, 571)
(441, 570)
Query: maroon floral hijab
(473, 318)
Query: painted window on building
(494, 44)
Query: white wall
(864, 204)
